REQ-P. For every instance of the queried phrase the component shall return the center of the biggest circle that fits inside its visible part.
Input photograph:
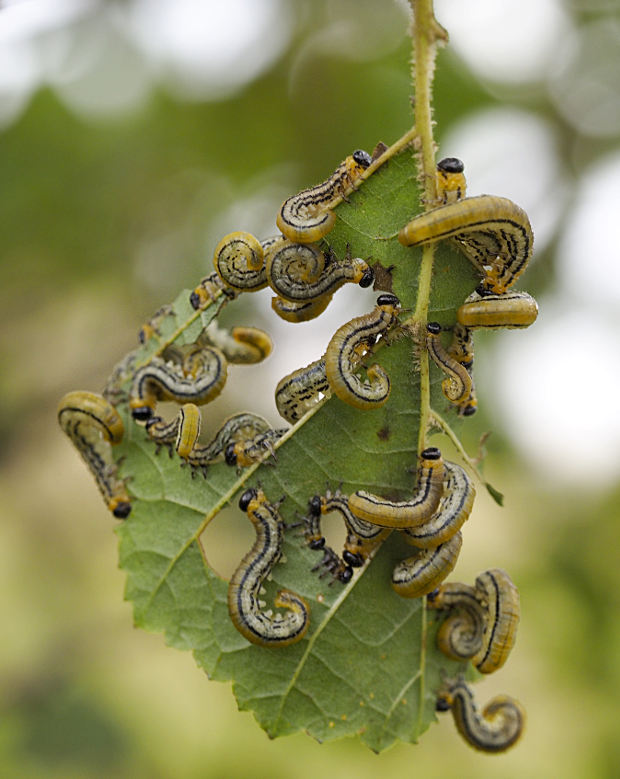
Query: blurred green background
(132, 137)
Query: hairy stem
(426, 34)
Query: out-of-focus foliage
(106, 218)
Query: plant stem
(425, 34)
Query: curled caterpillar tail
(238, 260)
(496, 729)
(457, 385)
(482, 621)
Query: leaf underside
(368, 664)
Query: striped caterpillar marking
(94, 425)
(493, 232)
(239, 345)
(456, 503)
(244, 587)
(508, 310)
(462, 345)
(208, 291)
(345, 351)
(451, 187)
(462, 350)
(484, 624)
(91, 410)
(295, 264)
(362, 537)
(451, 184)
(299, 312)
(247, 452)
(237, 429)
(419, 575)
(405, 513)
(511, 310)
(301, 272)
(181, 433)
(500, 599)
(239, 261)
(189, 429)
(495, 730)
(300, 391)
(460, 635)
(201, 380)
(457, 386)
(167, 434)
(307, 216)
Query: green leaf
(497, 496)
(368, 664)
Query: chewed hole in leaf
(333, 530)
(225, 541)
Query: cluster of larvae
(495, 235)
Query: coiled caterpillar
(457, 386)
(345, 351)
(460, 635)
(301, 272)
(484, 624)
(238, 260)
(244, 606)
(462, 350)
(495, 730)
(238, 429)
(508, 310)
